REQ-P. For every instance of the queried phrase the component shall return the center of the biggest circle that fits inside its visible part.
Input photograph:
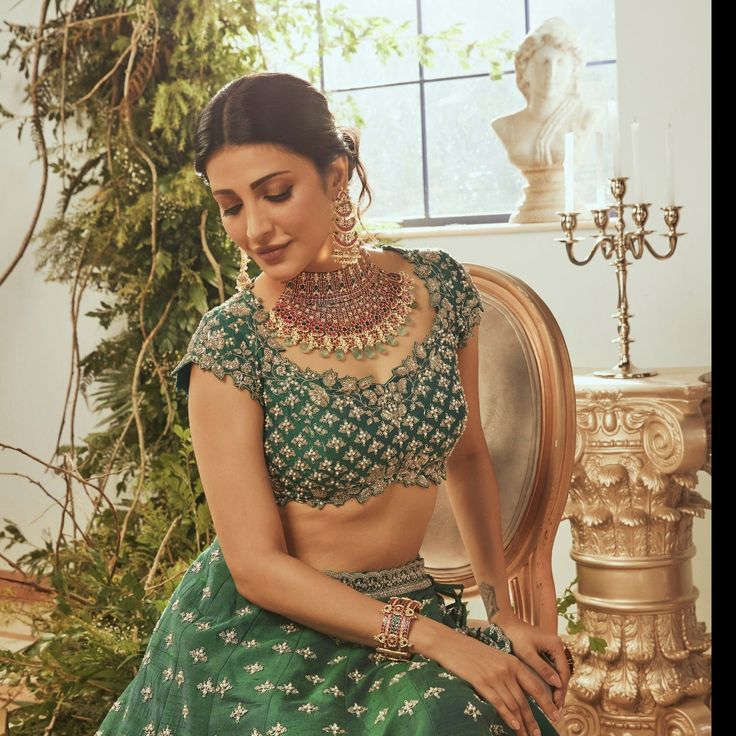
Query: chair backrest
(527, 407)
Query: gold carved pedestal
(632, 500)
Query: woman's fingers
(562, 665)
(530, 722)
(508, 707)
(535, 686)
(546, 666)
(561, 695)
(557, 654)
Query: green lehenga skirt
(217, 664)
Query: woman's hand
(498, 677)
(528, 641)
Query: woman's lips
(275, 254)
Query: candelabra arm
(576, 261)
(604, 241)
(569, 223)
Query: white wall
(664, 75)
(35, 327)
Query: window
(431, 155)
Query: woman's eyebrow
(255, 184)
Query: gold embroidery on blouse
(329, 438)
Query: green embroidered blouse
(328, 438)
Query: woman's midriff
(385, 531)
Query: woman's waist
(383, 532)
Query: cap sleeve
(224, 344)
(466, 299)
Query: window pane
(598, 85)
(365, 66)
(469, 172)
(302, 60)
(481, 20)
(390, 147)
(593, 22)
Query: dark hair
(277, 108)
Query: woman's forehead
(246, 164)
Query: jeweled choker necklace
(359, 308)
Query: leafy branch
(134, 226)
(574, 625)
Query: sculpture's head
(549, 61)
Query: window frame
(428, 220)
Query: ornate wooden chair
(527, 405)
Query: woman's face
(268, 196)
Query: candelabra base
(626, 371)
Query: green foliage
(574, 624)
(130, 224)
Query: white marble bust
(549, 63)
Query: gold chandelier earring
(347, 242)
(244, 281)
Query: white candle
(615, 138)
(599, 201)
(638, 189)
(569, 171)
(669, 166)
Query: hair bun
(350, 139)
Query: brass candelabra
(618, 244)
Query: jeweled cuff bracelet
(398, 616)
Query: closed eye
(271, 198)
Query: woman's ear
(338, 178)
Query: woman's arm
(226, 425)
(472, 490)
(473, 493)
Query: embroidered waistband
(389, 581)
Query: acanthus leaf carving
(687, 479)
(699, 670)
(595, 516)
(622, 683)
(694, 504)
(608, 628)
(663, 681)
(670, 636)
(633, 517)
(588, 682)
(608, 475)
(651, 478)
(695, 636)
(638, 638)
(579, 642)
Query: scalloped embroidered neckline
(330, 377)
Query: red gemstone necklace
(359, 308)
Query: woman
(327, 400)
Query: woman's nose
(258, 227)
